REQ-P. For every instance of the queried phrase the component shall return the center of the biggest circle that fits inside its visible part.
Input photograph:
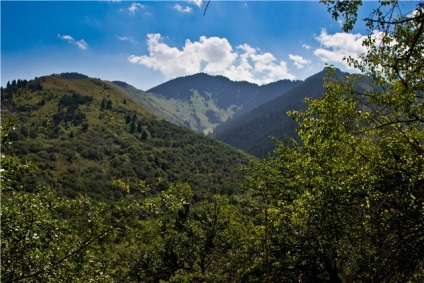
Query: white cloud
(306, 46)
(335, 47)
(212, 55)
(125, 38)
(198, 3)
(81, 44)
(299, 61)
(68, 38)
(135, 7)
(182, 9)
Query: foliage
(347, 199)
(83, 136)
(164, 237)
(343, 203)
(143, 224)
(71, 76)
(10, 165)
(46, 238)
(269, 119)
(192, 242)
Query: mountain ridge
(202, 102)
(205, 103)
(254, 132)
(86, 133)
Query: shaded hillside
(202, 102)
(252, 131)
(85, 133)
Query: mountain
(252, 131)
(202, 102)
(85, 133)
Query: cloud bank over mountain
(215, 56)
(147, 43)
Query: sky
(147, 43)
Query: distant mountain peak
(202, 101)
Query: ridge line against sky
(147, 43)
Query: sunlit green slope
(83, 133)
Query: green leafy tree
(181, 241)
(47, 238)
(349, 195)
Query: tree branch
(421, 16)
(76, 251)
(207, 5)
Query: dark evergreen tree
(132, 127)
(139, 128)
(103, 106)
(85, 126)
(128, 119)
(109, 105)
(143, 136)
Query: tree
(181, 241)
(349, 195)
(46, 237)
(127, 119)
(139, 127)
(109, 105)
(143, 136)
(103, 105)
(132, 127)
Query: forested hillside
(253, 131)
(83, 134)
(97, 189)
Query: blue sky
(149, 42)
